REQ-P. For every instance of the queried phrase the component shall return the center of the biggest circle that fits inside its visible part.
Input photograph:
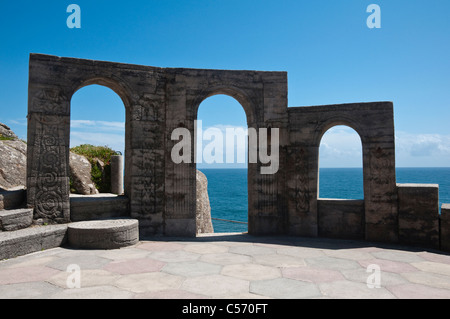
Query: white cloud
(97, 125)
(340, 147)
(430, 150)
(99, 133)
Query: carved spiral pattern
(49, 141)
(50, 158)
(49, 180)
(49, 204)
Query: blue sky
(330, 54)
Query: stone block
(15, 219)
(341, 218)
(445, 227)
(32, 239)
(101, 206)
(418, 214)
(12, 199)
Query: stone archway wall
(162, 194)
(263, 95)
(52, 82)
(374, 122)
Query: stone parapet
(418, 214)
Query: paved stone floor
(231, 266)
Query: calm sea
(227, 189)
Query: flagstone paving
(231, 266)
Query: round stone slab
(103, 234)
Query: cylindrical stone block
(103, 234)
(117, 174)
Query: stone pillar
(117, 174)
(445, 227)
(418, 214)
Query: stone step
(103, 234)
(30, 240)
(15, 219)
(12, 199)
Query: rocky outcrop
(7, 133)
(204, 223)
(13, 160)
(80, 175)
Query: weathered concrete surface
(204, 222)
(101, 206)
(445, 227)
(32, 239)
(103, 234)
(418, 214)
(16, 219)
(374, 122)
(339, 218)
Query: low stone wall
(418, 214)
(99, 206)
(12, 199)
(341, 218)
(445, 227)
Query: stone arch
(242, 114)
(248, 103)
(119, 87)
(374, 124)
(244, 99)
(329, 127)
(111, 87)
(343, 120)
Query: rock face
(80, 173)
(204, 223)
(5, 131)
(13, 160)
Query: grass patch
(101, 176)
(6, 138)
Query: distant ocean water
(227, 189)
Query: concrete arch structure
(162, 194)
(374, 122)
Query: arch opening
(222, 156)
(97, 131)
(340, 164)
